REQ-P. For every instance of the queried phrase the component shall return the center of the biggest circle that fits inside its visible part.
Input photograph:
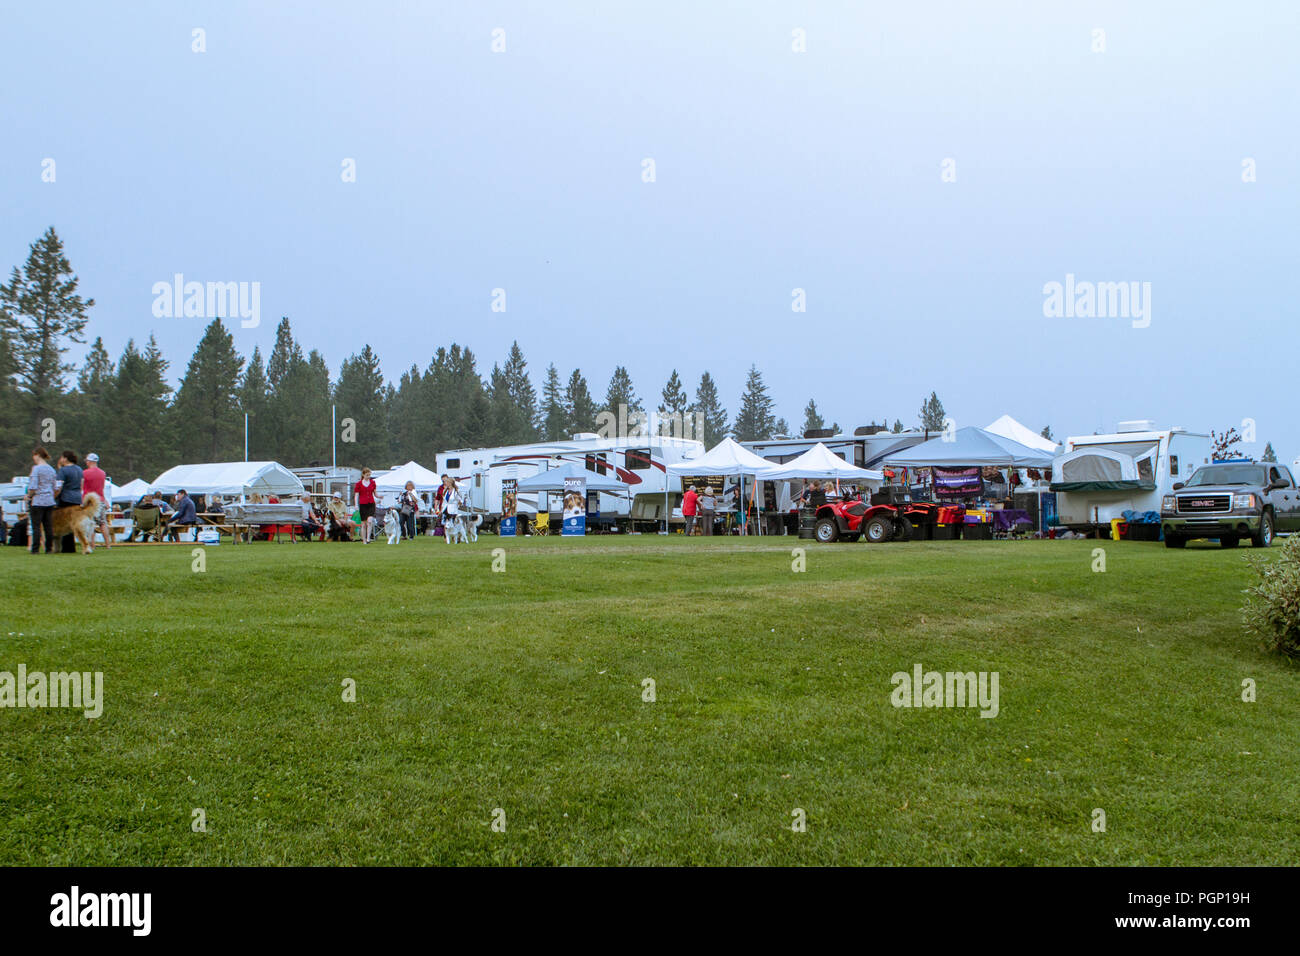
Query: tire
(1264, 537)
(826, 530)
(1229, 541)
(1173, 541)
(902, 529)
(878, 530)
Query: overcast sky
(774, 170)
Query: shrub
(1272, 608)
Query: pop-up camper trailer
(1099, 477)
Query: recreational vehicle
(1099, 477)
(638, 461)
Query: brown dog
(80, 521)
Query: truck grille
(1203, 504)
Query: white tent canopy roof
(727, 458)
(133, 490)
(553, 480)
(972, 446)
(1008, 427)
(820, 462)
(395, 480)
(230, 478)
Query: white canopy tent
(133, 490)
(230, 478)
(553, 480)
(395, 480)
(1008, 427)
(728, 459)
(820, 462)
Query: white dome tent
(728, 459)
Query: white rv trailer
(1099, 477)
(638, 461)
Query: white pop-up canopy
(971, 446)
(820, 462)
(133, 490)
(230, 478)
(727, 458)
(395, 480)
(1008, 427)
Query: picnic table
(278, 516)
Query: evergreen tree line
(128, 412)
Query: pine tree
(1047, 433)
(409, 426)
(206, 414)
(359, 396)
(1269, 454)
(812, 419)
(621, 392)
(782, 427)
(755, 421)
(93, 419)
(286, 380)
(932, 414)
(41, 313)
(254, 401)
(898, 426)
(142, 447)
(675, 404)
(523, 395)
(714, 415)
(579, 406)
(555, 415)
(12, 432)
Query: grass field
(522, 691)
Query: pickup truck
(1232, 500)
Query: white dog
(462, 528)
(392, 527)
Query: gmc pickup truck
(1232, 500)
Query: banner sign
(575, 506)
(957, 482)
(509, 507)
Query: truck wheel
(1264, 537)
(1229, 541)
(1173, 541)
(902, 529)
(826, 530)
(878, 530)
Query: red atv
(889, 517)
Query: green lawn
(522, 691)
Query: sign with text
(509, 507)
(575, 506)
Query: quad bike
(888, 517)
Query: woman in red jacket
(365, 494)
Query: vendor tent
(1008, 427)
(133, 490)
(396, 480)
(727, 459)
(971, 446)
(553, 480)
(820, 462)
(230, 478)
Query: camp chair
(147, 523)
(542, 523)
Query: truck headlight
(1243, 501)
(1168, 504)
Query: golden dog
(79, 521)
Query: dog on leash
(80, 521)
(392, 527)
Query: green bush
(1272, 609)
